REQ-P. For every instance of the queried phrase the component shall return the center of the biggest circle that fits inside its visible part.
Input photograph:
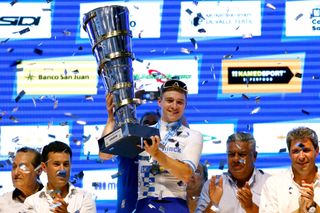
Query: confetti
(242, 161)
(315, 77)
(75, 71)
(88, 98)
(249, 35)
(151, 206)
(24, 168)
(298, 17)
(160, 195)
(139, 60)
(202, 30)
(244, 96)
(248, 127)
(53, 206)
(118, 174)
(13, 119)
(64, 123)
(204, 82)
(37, 168)
(86, 138)
(254, 111)
(20, 95)
(13, 2)
(194, 43)
(196, 21)
(282, 150)
(200, 16)
(62, 173)
(227, 56)
(9, 161)
(81, 122)
(257, 99)
(301, 145)
(38, 51)
(55, 104)
(15, 63)
(42, 97)
(76, 141)
(189, 11)
(221, 164)
(10, 50)
(185, 50)
(207, 163)
(298, 75)
(216, 141)
(4, 41)
(305, 112)
(15, 140)
(34, 102)
(123, 204)
(51, 136)
(66, 33)
(25, 30)
(271, 6)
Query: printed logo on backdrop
(302, 18)
(102, 183)
(140, 25)
(60, 76)
(220, 19)
(262, 76)
(25, 20)
(150, 74)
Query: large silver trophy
(110, 37)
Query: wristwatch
(312, 208)
(216, 208)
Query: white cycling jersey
(184, 145)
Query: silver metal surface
(110, 38)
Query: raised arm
(109, 125)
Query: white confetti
(256, 110)
(271, 6)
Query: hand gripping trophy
(110, 37)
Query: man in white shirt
(166, 166)
(25, 174)
(298, 188)
(59, 195)
(238, 190)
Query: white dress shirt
(229, 202)
(280, 194)
(10, 205)
(79, 201)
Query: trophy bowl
(110, 38)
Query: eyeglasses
(176, 84)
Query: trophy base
(124, 141)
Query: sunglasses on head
(174, 84)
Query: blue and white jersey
(184, 145)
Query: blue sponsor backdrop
(209, 106)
